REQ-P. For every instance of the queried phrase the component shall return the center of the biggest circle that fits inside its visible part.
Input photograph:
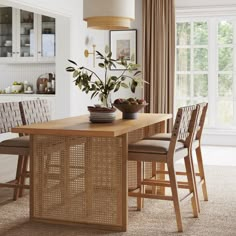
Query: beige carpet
(218, 215)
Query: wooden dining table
(79, 171)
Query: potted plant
(89, 81)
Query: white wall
(79, 34)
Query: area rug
(217, 217)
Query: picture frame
(123, 43)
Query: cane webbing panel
(9, 116)
(34, 111)
(77, 179)
(153, 129)
(136, 135)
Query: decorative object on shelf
(89, 81)
(101, 114)
(16, 87)
(46, 83)
(129, 107)
(108, 14)
(123, 44)
(86, 54)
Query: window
(206, 67)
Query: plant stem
(93, 73)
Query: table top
(81, 126)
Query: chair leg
(194, 182)
(201, 172)
(24, 173)
(192, 187)
(18, 176)
(174, 190)
(139, 185)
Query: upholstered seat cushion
(160, 136)
(152, 146)
(22, 141)
(167, 136)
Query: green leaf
(114, 78)
(117, 87)
(137, 73)
(101, 65)
(132, 58)
(124, 85)
(72, 62)
(107, 49)
(133, 86)
(70, 69)
(99, 54)
(109, 54)
(75, 73)
(94, 94)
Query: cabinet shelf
(5, 35)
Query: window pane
(183, 85)
(225, 85)
(225, 59)
(183, 33)
(225, 112)
(200, 85)
(225, 32)
(200, 34)
(182, 102)
(200, 59)
(183, 59)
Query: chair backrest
(34, 111)
(184, 127)
(202, 117)
(10, 116)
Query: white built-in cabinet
(26, 36)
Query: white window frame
(210, 14)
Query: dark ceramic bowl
(130, 110)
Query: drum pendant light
(109, 14)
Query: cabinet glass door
(27, 38)
(5, 32)
(48, 39)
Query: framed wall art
(123, 43)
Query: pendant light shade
(109, 14)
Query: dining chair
(32, 111)
(179, 147)
(11, 117)
(196, 146)
(15, 114)
(35, 111)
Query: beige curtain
(159, 55)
